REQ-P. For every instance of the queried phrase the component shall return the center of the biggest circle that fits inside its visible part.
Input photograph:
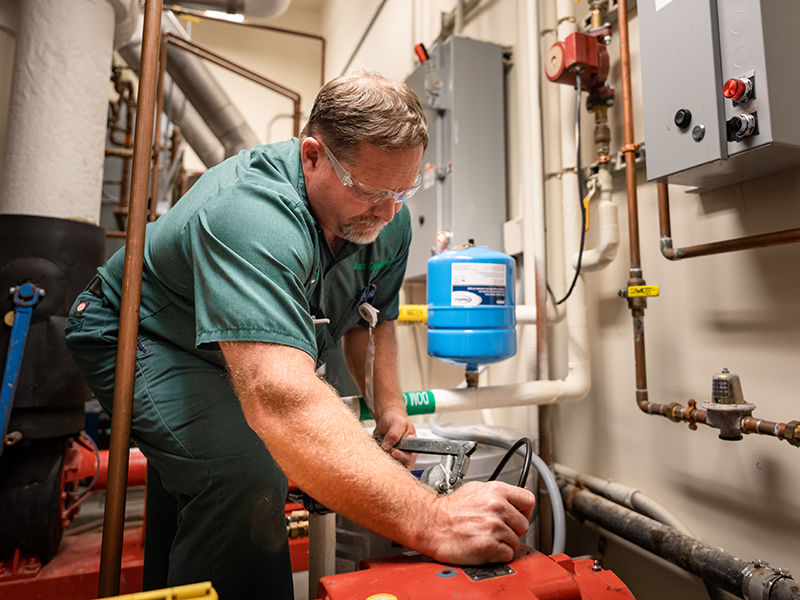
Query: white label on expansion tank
(478, 283)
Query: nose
(386, 210)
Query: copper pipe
(111, 551)
(162, 69)
(753, 425)
(764, 240)
(125, 183)
(198, 14)
(674, 411)
(116, 234)
(223, 62)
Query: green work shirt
(241, 257)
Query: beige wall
(737, 310)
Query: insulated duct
(206, 95)
(194, 130)
(212, 109)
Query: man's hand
(479, 523)
(393, 424)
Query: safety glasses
(364, 193)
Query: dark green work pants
(215, 496)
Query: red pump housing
(579, 52)
(530, 575)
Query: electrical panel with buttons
(463, 192)
(719, 94)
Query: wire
(580, 190)
(526, 466)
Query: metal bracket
(759, 578)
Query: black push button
(683, 118)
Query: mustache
(367, 220)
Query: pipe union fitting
(674, 412)
(759, 579)
(792, 433)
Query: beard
(363, 229)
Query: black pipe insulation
(711, 564)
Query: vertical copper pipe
(630, 145)
(162, 69)
(111, 552)
(125, 183)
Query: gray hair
(367, 107)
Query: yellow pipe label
(413, 313)
(642, 291)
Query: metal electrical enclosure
(698, 58)
(464, 185)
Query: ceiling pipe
(200, 51)
(179, 10)
(206, 95)
(195, 131)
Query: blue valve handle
(26, 297)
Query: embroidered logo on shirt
(371, 266)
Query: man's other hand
(393, 424)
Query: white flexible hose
(559, 520)
(626, 496)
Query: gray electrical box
(463, 193)
(718, 89)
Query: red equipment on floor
(530, 575)
(73, 572)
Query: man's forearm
(323, 448)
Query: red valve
(422, 53)
(735, 89)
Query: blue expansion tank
(471, 307)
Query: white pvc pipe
(526, 314)
(533, 213)
(57, 112)
(607, 224)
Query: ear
(310, 151)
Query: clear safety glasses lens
(367, 193)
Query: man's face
(347, 212)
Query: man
(239, 279)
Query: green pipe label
(417, 403)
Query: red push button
(735, 89)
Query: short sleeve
(251, 269)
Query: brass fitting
(792, 433)
(674, 412)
